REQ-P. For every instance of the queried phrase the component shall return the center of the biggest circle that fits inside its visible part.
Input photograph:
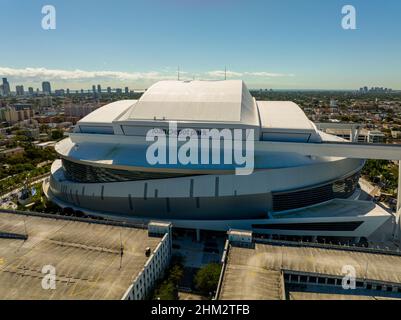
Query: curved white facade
(103, 169)
(209, 197)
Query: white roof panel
(197, 101)
(108, 113)
(285, 121)
(283, 115)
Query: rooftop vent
(147, 252)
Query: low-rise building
(79, 110)
(11, 152)
(17, 113)
(396, 134)
(47, 144)
(279, 270)
(376, 137)
(61, 258)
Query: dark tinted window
(341, 189)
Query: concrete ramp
(245, 281)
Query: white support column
(355, 130)
(358, 131)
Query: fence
(384, 251)
(76, 219)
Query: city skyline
(46, 88)
(282, 45)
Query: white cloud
(233, 74)
(40, 74)
(221, 73)
(268, 74)
(59, 75)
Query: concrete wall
(153, 270)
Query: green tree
(207, 278)
(384, 172)
(176, 274)
(167, 291)
(57, 134)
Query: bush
(57, 134)
(176, 274)
(167, 291)
(207, 278)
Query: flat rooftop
(255, 273)
(86, 257)
(261, 283)
(304, 296)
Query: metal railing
(329, 246)
(76, 219)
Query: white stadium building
(103, 168)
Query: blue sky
(288, 44)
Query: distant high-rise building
(68, 91)
(375, 90)
(94, 89)
(60, 92)
(46, 88)
(46, 102)
(6, 87)
(126, 90)
(119, 91)
(19, 90)
(108, 90)
(30, 91)
(99, 88)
